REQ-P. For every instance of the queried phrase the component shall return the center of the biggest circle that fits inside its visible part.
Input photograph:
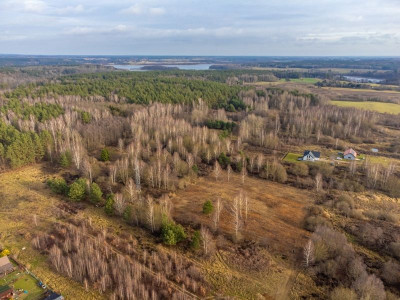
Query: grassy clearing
(276, 211)
(292, 157)
(302, 80)
(361, 90)
(381, 107)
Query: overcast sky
(204, 27)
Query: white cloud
(71, 9)
(157, 11)
(35, 6)
(138, 9)
(84, 30)
(133, 10)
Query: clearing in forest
(276, 211)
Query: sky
(206, 27)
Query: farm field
(381, 107)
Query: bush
(299, 169)
(65, 159)
(195, 169)
(218, 124)
(5, 252)
(224, 160)
(208, 207)
(58, 186)
(86, 117)
(95, 193)
(77, 190)
(109, 207)
(395, 249)
(391, 272)
(172, 233)
(196, 239)
(280, 173)
(342, 293)
(312, 222)
(105, 155)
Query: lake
(198, 67)
(363, 79)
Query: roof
(54, 296)
(5, 262)
(350, 151)
(316, 154)
(4, 288)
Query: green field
(292, 157)
(303, 80)
(381, 107)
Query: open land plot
(276, 212)
(23, 195)
(390, 108)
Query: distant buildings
(311, 155)
(6, 292)
(350, 154)
(5, 266)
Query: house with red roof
(350, 154)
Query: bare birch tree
(308, 253)
(217, 170)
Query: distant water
(199, 67)
(363, 79)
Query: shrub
(391, 272)
(208, 207)
(312, 222)
(95, 193)
(172, 233)
(86, 117)
(58, 186)
(105, 155)
(77, 190)
(347, 199)
(395, 249)
(299, 169)
(109, 207)
(196, 239)
(195, 169)
(224, 160)
(370, 287)
(280, 174)
(5, 252)
(128, 214)
(65, 159)
(342, 293)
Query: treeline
(20, 148)
(23, 110)
(141, 88)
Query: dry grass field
(276, 211)
(24, 195)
